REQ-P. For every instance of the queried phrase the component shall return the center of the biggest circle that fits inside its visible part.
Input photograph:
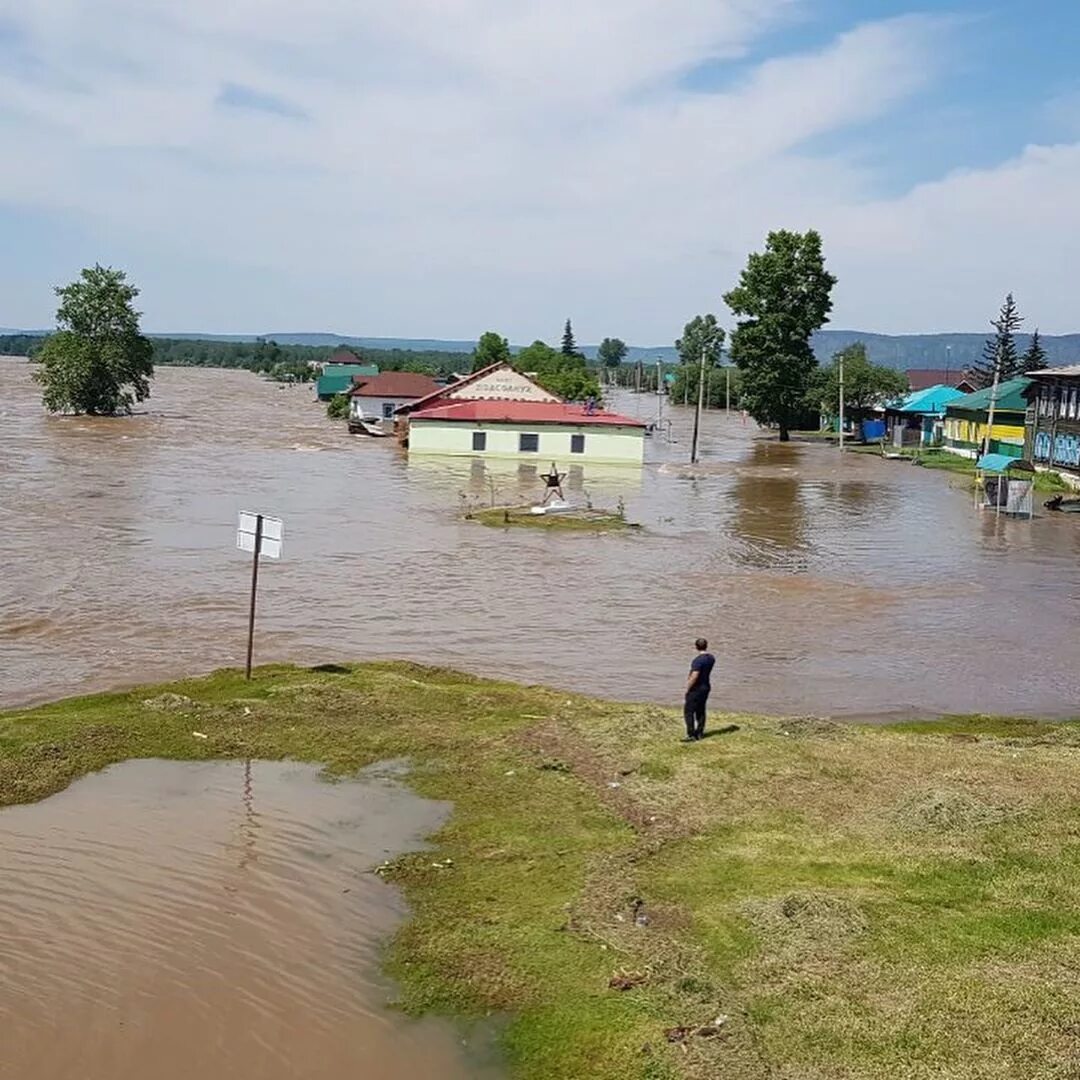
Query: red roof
(924, 378)
(394, 384)
(522, 412)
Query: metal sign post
(260, 535)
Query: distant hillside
(900, 351)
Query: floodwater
(853, 587)
(219, 921)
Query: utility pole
(697, 411)
(993, 402)
(727, 387)
(659, 395)
(841, 361)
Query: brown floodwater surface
(852, 586)
(215, 921)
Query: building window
(577, 444)
(529, 444)
(388, 410)
(479, 441)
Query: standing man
(697, 691)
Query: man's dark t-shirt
(703, 665)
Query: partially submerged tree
(611, 353)
(866, 385)
(97, 362)
(701, 334)
(784, 295)
(999, 352)
(1034, 359)
(492, 348)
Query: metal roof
(1072, 370)
(1010, 398)
(1002, 463)
(932, 399)
(395, 384)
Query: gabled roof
(1010, 398)
(395, 384)
(922, 378)
(931, 400)
(447, 392)
(521, 412)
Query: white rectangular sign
(273, 532)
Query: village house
(378, 397)
(919, 418)
(966, 419)
(1053, 420)
(339, 370)
(924, 378)
(499, 412)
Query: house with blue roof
(919, 418)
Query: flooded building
(500, 412)
(1053, 419)
(966, 419)
(339, 378)
(919, 418)
(378, 397)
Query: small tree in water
(97, 362)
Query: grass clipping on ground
(790, 900)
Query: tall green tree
(566, 376)
(611, 353)
(492, 348)
(866, 385)
(1034, 359)
(784, 295)
(569, 346)
(999, 352)
(701, 334)
(97, 362)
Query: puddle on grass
(216, 921)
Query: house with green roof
(339, 379)
(966, 420)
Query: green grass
(954, 463)
(859, 903)
(569, 521)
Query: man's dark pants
(694, 713)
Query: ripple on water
(171, 920)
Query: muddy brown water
(175, 920)
(857, 587)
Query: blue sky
(438, 168)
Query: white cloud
(480, 162)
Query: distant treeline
(264, 355)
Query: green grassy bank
(954, 463)
(849, 903)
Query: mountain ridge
(900, 351)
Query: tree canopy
(701, 334)
(999, 352)
(611, 353)
(492, 348)
(567, 376)
(1034, 359)
(784, 295)
(97, 362)
(865, 384)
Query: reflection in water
(135, 944)
(829, 585)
